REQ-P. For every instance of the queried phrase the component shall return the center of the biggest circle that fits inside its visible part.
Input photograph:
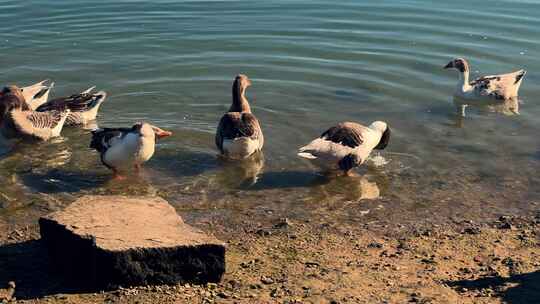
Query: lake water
(312, 64)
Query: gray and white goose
(239, 133)
(122, 148)
(346, 146)
(17, 120)
(495, 88)
(84, 106)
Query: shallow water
(312, 64)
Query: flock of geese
(27, 113)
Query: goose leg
(461, 109)
(349, 173)
(137, 168)
(117, 176)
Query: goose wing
(37, 94)
(335, 142)
(235, 125)
(499, 86)
(103, 139)
(37, 124)
(76, 103)
(348, 134)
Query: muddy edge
(273, 259)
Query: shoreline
(282, 260)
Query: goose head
(12, 90)
(459, 64)
(241, 82)
(150, 131)
(11, 98)
(240, 102)
(382, 127)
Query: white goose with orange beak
(121, 148)
(493, 87)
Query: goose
(37, 94)
(84, 106)
(17, 120)
(346, 146)
(121, 148)
(239, 134)
(494, 88)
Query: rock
(375, 245)
(263, 232)
(223, 295)
(507, 225)
(283, 223)
(267, 280)
(6, 295)
(472, 230)
(104, 241)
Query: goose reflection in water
(507, 107)
(352, 188)
(241, 173)
(38, 155)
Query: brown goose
(239, 134)
(83, 106)
(346, 146)
(17, 120)
(493, 87)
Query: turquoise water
(312, 64)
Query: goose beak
(162, 133)
(449, 65)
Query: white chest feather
(241, 147)
(132, 149)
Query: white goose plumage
(494, 88)
(121, 148)
(346, 145)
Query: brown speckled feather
(83, 106)
(37, 124)
(498, 86)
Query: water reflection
(507, 107)
(34, 155)
(350, 188)
(240, 174)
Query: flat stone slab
(106, 241)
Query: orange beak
(161, 133)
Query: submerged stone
(105, 241)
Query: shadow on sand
(521, 288)
(27, 264)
